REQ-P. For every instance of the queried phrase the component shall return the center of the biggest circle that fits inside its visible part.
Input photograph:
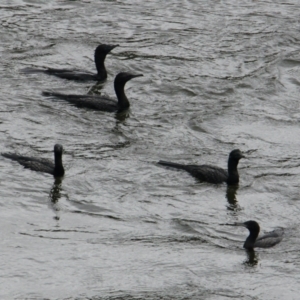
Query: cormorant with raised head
(101, 102)
(100, 55)
(41, 164)
(268, 240)
(212, 174)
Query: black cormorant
(41, 164)
(213, 174)
(100, 54)
(268, 240)
(101, 102)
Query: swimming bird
(100, 55)
(41, 164)
(101, 102)
(268, 240)
(212, 174)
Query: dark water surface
(218, 75)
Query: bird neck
(58, 166)
(233, 175)
(99, 62)
(122, 99)
(250, 241)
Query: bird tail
(172, 165)
(49, 93)
(66, 97)
(12, 156)
(32, 71)
(17, 157)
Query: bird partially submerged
(212, 174)
(41, 164)
(268, 240)
(100, 55)
(101, 102)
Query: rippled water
(218, 75)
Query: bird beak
(239, 224)
(137, 75)
(110, 47)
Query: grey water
(218, 75)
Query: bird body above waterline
(41, 164)
(100, 55)
(267, 240)
(212, 174)
(100, 102)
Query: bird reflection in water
(231, 198)
(54, 196)
(121, 116)
(252, 259)
(96, 89)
